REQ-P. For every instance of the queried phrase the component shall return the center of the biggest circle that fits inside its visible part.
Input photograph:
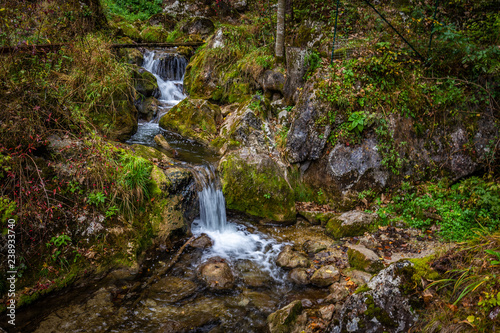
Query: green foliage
(312, 62)
(133, 10)
(357, 121)
(468, 207)
(136, 175)
(96, 198)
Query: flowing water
(179, 301)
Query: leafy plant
(496, 254)
(357, 122)
(96, 198)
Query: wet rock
(313, 247)
(358, 277)
(198, 26)
(216, 274)
(325, 276)
(283, 320)
(202, 242)
(289, 259)
(272, 81)
(316, 218)
(261, 301)
(257, 185)
(306, 303)
(299, 276)
(364, 259)
(148, 108)
(252, 274)
(338, 293)
(193, 118)
(144, 82)
(383, 308)
(172, 289)
(162, 142)
(349, 224)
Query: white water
(231, 241)
(168, 70)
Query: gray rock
(325, 276)
(308, 134)
(313, 247)
(384, 308)
(148, 108)
(358, 277)
(295, 69)
(326, 312)
(351, 165)
(289, 259)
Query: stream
(180, 301)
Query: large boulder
(256, 184)
(216, 274)
(309, 132)
(195, 119)
(350, 224)
(272, 81)
(384, 307)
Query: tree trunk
(280, 30)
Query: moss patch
(256, 185)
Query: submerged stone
(172, 289)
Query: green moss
(257, 187)
(423, 270)
(362, 289)
(193, 118)
(335, 229)
(357, 260)
(129, 30)
(374, 311)
(154, 34)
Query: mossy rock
(317, 218)
(196, 119)
(283, 320)
(152, 154)
(350, 224)
(256, 184)
(144, 82)
(154, 34)
(364, 259)
(125, 121)
(131, 56)
(128, 30)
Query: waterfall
(212, 203)
(169, 69)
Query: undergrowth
(460, 211)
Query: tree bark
(280, 30)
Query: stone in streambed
(172, 289)
(252, 275)
(325, 276)
(202, 242)
(338, 293)
(289, 259)
(216, 274)
(162, 142)
(299, 276)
